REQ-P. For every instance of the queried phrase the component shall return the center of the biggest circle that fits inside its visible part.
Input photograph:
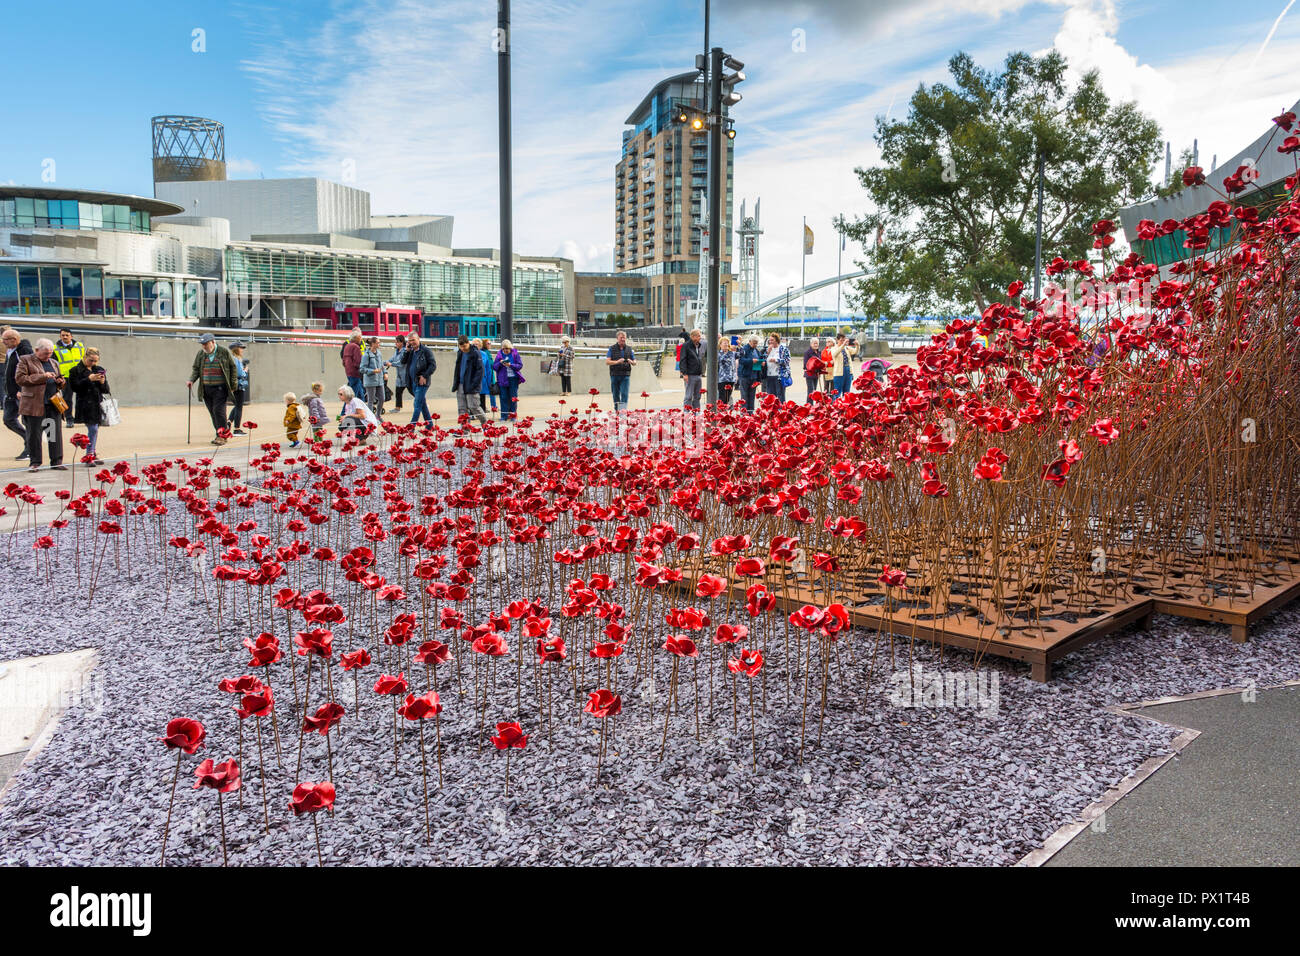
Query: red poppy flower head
(185, 734)
(510, 734)
(681, 645)
(433, 653)
(354, 660)
(749, 663)
(730, 633)
(244, 684)
(710, 586)
(310, 797)
(1056, 471)
(326, 716)
(808, 617)
(222, 777)
(552, 650)
(893, 577)
(258, 703)
(390, 685)
(420, 708)
(603, 703)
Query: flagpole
(803, 279)
(839, 271)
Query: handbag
(388, 392)
(786, 380)
(57, 401)
(108, 411)
(493, 389)
(554, 367)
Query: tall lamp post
(719, 93)
(507, 267)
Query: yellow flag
(807, 241)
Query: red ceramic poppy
(509, 735)
(603, 703)
(419, 708)
(309, 797)
(223, 777)
(184, 733)
(749, 663)
(390, 685)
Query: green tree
(955, 198)
(1175, 184)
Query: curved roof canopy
(155, 207)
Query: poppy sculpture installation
(1048, 472)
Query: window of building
(605, 295)
(633, 296)
(8, 290)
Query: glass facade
(604, 295)
(24, 211)
(455, 288)
(76, 290)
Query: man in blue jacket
(467, 379)
(420, 366)
(751, 370)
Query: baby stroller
(876, 367)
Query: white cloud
(1087, 40)
(238, 167)
(406, 90)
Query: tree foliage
(955, 198)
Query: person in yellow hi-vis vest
(68, 353)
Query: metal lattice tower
(748, 232)
(188, 148)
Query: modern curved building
(1265, 171)
(82, 252)
(296, 252)
(279, 252)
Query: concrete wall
(153, 371)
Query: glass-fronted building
(438, 286)
(70, 252)
(43, 213)
(80, 290)
(83, 252)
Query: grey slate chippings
(886, 785)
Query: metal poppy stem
(221, 814)
(261, 769)
(170, 803)
(424, 773)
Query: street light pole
(717, 240)
(507, 266)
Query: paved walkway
(1230, 798)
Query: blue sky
(404, 93)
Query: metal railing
(249, 336)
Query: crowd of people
(47, 386)
(744, 369)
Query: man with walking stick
(214, 370)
